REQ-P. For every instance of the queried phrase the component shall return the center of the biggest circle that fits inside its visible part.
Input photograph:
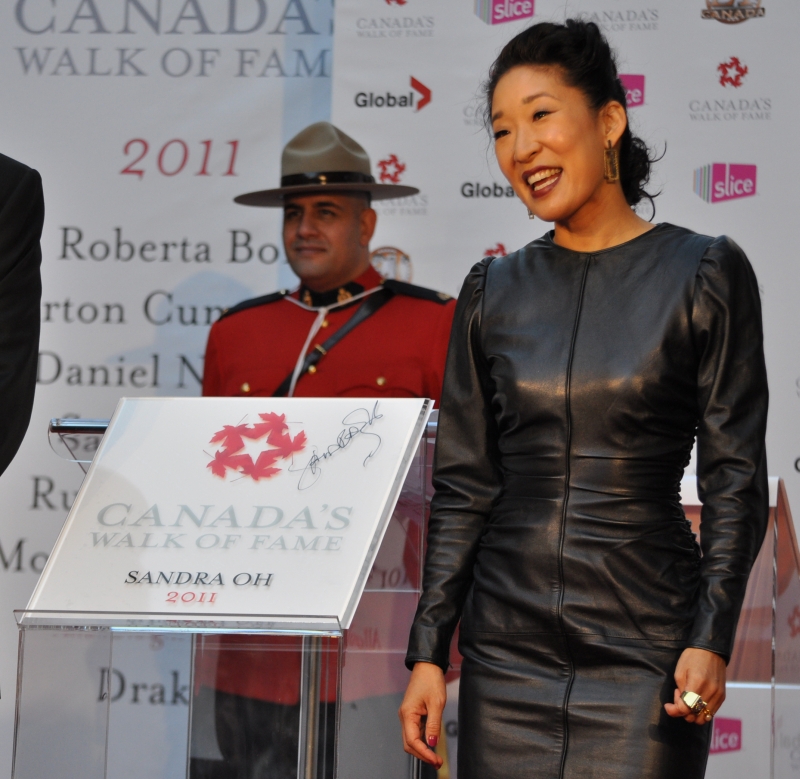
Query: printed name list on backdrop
(232, 508)
(145, 119)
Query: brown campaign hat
(321, 158)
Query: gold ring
(707, 714)
(695, 703)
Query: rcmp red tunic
(399, 351)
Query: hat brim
(275, 198)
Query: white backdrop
(136, 263)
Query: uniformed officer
(344, 332)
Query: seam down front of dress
(575, 386)
(564, 509)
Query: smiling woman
(594, 634)
(557, 110)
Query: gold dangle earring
(611, 164)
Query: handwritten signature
(356, 425)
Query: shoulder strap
(414, 291)
(365, 310)
(253, 302)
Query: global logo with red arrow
(425, 93)
(417, 99)
(274, 443)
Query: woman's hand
(702, 672)
(421, 712)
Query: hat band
(337, 177)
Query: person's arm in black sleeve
(21, 219)
(466, 479)
(731, 458)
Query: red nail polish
(433, 741)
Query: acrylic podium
(160, 642)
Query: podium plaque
(263, 512)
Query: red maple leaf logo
(285, 445)
(391, 169)
(223, 460)
(262, 467)
(794, 622)
(497, 251)
(279, 446)
(231, 437)
(270, 423)
(733, 65)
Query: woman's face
(549, 142)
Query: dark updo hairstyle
(586, 61)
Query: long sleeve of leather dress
(467, 480)
(732, 401)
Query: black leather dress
(575, 386)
